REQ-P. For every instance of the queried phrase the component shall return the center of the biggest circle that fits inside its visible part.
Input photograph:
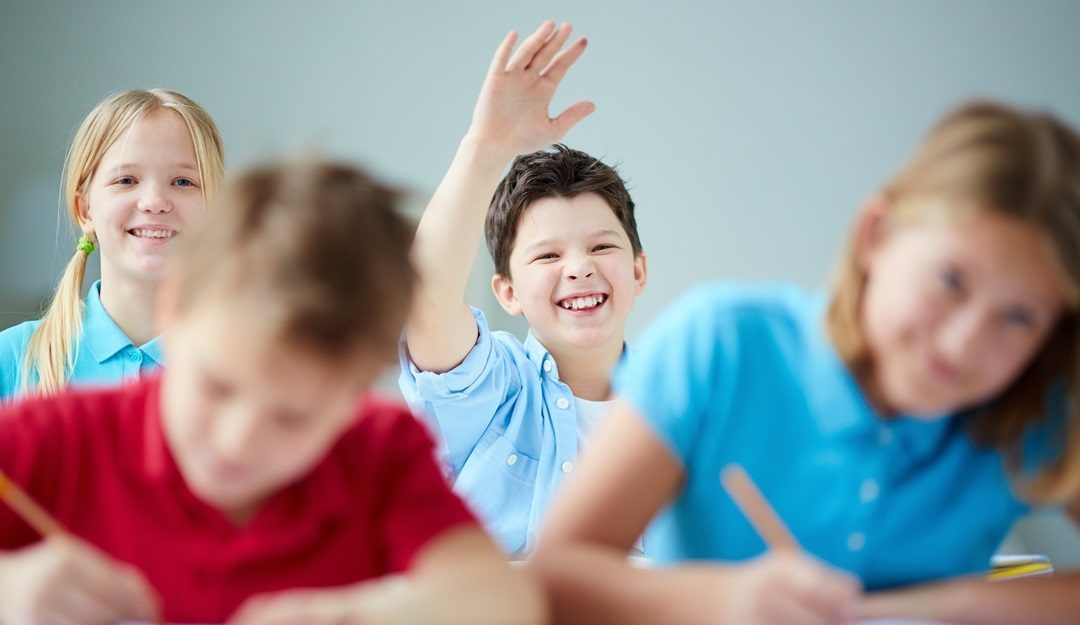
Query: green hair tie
(85, 245)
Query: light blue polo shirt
(507, 427)
(736, 374)
(105, 354)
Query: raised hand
(511, 116)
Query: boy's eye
(603, 246)
(184, 182)
(548, 256)
(215, 388)
(951, 279)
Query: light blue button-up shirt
(105, 354)
(747, 375)
(507, 428)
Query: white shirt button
(563, 403)
(567, 466)
(511, 459)
(856, 541)
(547, 366)
(869, 491)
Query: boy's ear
(871, 229)
(82, 213)
(640, 272)
(504, 291)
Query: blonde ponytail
(54, 345)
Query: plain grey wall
(749, 131)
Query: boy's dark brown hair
(320, 248)
(557, 171)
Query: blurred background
(749, 132)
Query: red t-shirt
(97, 460)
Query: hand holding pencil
(63, 580)
(786, 586)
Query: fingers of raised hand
(530, 47)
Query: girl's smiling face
(955, 308)
(143, 194)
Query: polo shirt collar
(103, 338)
(842, 409)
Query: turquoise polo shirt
(747, 375)
(105, 354)
(507, 428)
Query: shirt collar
(538, 355)
(841, 406)
(103, 338)
(157, 460)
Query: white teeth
(581, 303)
(147, 233)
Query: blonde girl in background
(141, 167)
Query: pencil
(762, 517)
(34, 515)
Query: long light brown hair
(991, 157)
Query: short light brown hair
(558, 171)
(319, 245)
(988, 156)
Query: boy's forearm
(1041, 601)
(447, 242)
(490, 594)
(448, 236)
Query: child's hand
(511, 115)
(786, 588)
(64, 581)
(380, 602)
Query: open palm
(512, 111)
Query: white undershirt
(588, 413)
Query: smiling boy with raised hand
(561, 230)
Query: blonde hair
(53, 347)
(990, 157)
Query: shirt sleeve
(12, 352)
(460, 404)
(677, 374)
(32, 441)
(417, 505)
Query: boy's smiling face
(573, 273)
(245, 415)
